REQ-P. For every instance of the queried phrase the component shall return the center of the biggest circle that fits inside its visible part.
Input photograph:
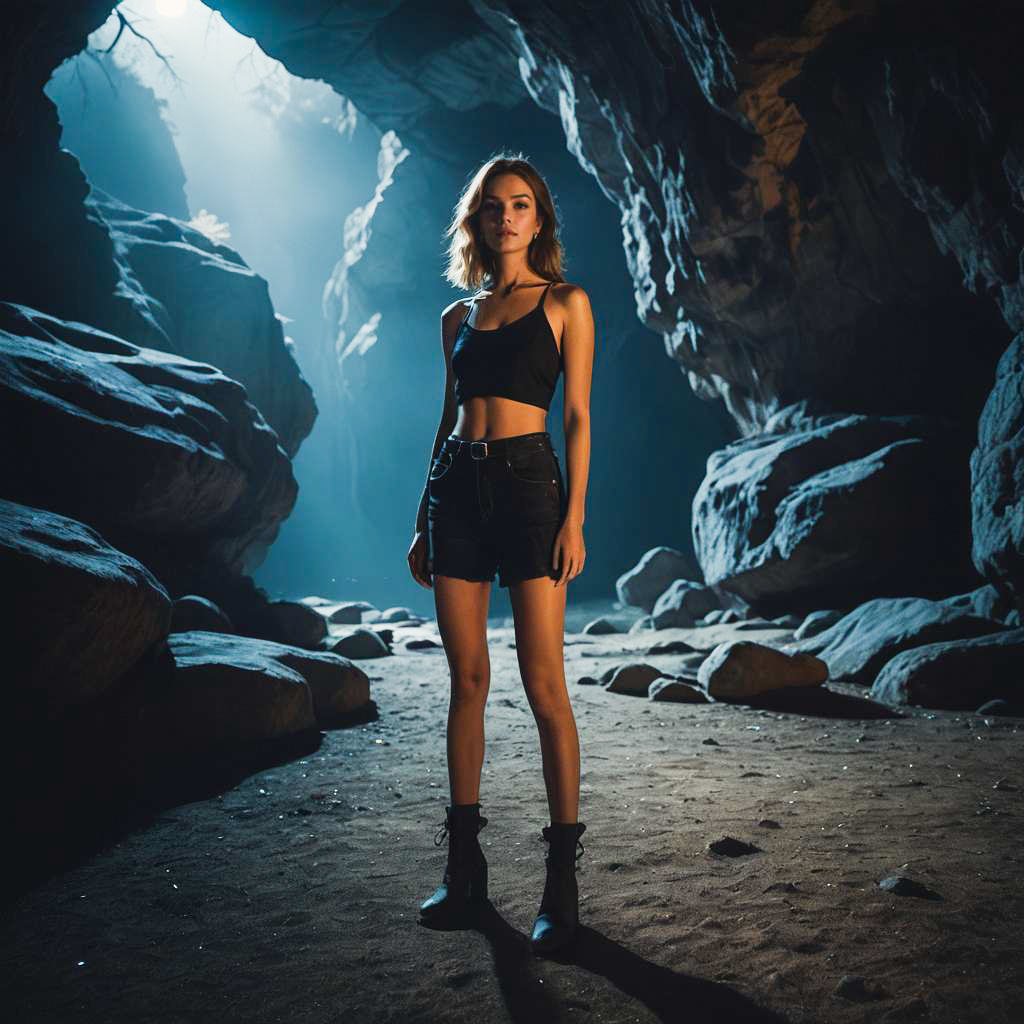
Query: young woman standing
(495, 502)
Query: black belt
(500, 446)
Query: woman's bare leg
(538, 608)
(462, 622)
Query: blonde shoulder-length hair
(471, 263)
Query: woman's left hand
(570, 553)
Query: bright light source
(171, 8)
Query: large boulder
(213, 308)
(219, 692)
(860, 643)
(959, 674)
(80, 613)
(165, 456)
(738, 670)
(292, 622)
(642, 585)
(683, 603)
(836, 509)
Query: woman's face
(509, 217)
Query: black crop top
(519, 360)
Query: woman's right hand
(417, 559)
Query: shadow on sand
(671, 996)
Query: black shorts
(495, 507)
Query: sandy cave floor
(294, 896)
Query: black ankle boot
(465, 874)
(558, 916)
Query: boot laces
(443, 831)
(579, 843)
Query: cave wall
(821, 210)
(821, 202)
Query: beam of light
(171, 8)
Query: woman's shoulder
(458, 308)
(570, 295)
(567, 289)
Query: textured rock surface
(80, 613)
(740, 669)
(682, 603)
(105, 256)
(657, 569)
(212, 308)
(165, 456)
(225, 692)
(835, 509)
(296, 623)
(783, 233)
(223, 666)
(997, 479)
(859, 644)
(963, 674)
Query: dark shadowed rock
(423, 643)
(642, 585)
(338, 686)
(215, 310)
(195, 612)
(860, 643)
(856, 989)
(80, 613)
(741, 669)
(837, 510)
(399, 614)
(677, 691)
(682, 603)
(223, 692)
(997, 480)
(172, 463)
(633, 678)
(958, 674)
(672, 647)
(729, 846)
(361, 643)
(295, 623)
(901, 885)
(348, 614)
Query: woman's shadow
(671, 996)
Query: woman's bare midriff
(490, 418)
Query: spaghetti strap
(544, 293)
(470, 310)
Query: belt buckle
(472, 451)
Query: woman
(495, 501)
